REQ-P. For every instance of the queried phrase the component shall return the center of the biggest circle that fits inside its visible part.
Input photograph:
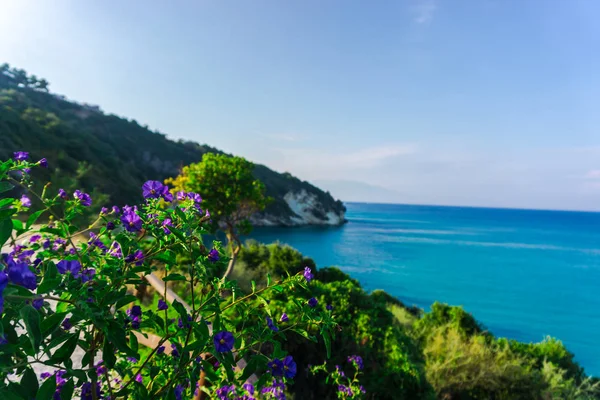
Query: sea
(524, 274)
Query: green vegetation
(233, 194)
(105, 153)
(410, 354)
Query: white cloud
(424, 11)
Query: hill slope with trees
(112, 155)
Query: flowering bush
(348, 387)
(60, 295)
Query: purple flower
(115, 250)
(166, 223)
(27, 170)
(62, 194)
(45, 375)
(284, 318)
(96, 242)
(86, 391)
(356, 360)
(223, 392)
(289, 367)
(132, 360)
(87, 275)
(179, 392)
(174, 351)
(181, 195)
(248, 387)
(340, 371)
(60, 381)
(162, 305)
(195, 197)
(21, 155)
(160, 350)
(20, 274)
(66, 324)
(308, 274)
(166, 194)
(37, 303)
(116, 210)
(72, 266)
(271, 325)
(131, 221)
(137, 257)
(152, 189)
(276, 367)
(312, 302)
(103, 211)
(34, 238)
(100, 369)
(25, 201)
(329, 307)
(213, 255)
(345, 390)
(43, 162)
(223, 341)
(110, 226)
(84, 198)
(3, 284)
(138, 378)
(135, 322)
(135, 311)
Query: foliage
(119, 153)
(60, 294)
(233, 195)
(410, 354)
(348, 387)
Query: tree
(229, 191)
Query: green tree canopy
(230, 193)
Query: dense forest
(109, 155)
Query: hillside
(109, 155)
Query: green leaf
(34, 217)
(5, 186)
(7, 212)
(29, 384)
(125, 300)
(51, 279)
(5, 231)
(5, 202)
(65, 351)
(108, 354)
(17, 225)
(66, 392)
(305, 334)
(32, 322)
(116, 335)
(180, 309)
(133, 342)
(47, 389)
(327, 341)
(51, 322)
(168, 257)
(174, 277)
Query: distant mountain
(354, 191)
(113, 156)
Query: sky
(479, 103)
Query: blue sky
(482, 102)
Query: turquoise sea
(523, 273)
